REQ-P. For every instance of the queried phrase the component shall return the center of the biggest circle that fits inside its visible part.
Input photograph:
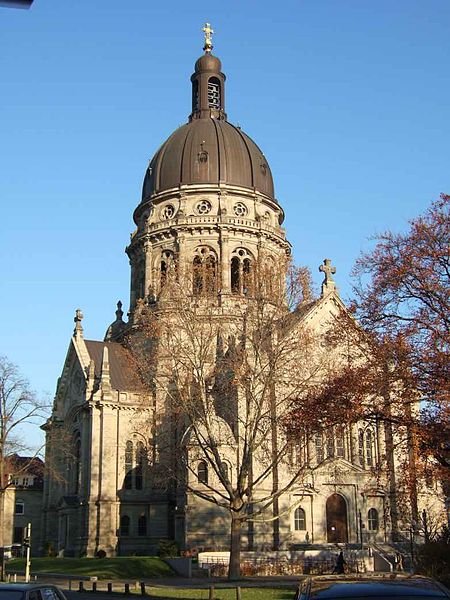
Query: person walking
(339, 568)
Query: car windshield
(11, 595)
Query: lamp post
(27, 544)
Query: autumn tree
(394, 347)
(227, 371)
(19, 406)
(403, 297)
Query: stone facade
(22, 504)
(208, 218)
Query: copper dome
(208, 151)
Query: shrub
(433, 558)
(168, 549)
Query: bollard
(127, 588)
(109, 587)
(80, 586)
(238, 593)
(94, 586)
(211, 593)
(143, 588)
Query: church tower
(208, 207)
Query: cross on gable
(328, 270)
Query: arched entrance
(337, 530)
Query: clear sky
(348, 99)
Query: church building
(207, 222)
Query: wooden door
(337, 531)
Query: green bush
(168, 549)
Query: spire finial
(78, 331)
(119, 311)
(208, 37)
(328, 270)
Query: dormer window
(214, 93)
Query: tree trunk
(234, 570)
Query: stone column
(148, 276)
(224, 242)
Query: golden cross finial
(208, 37)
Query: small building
(22, 502)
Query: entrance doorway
(337, 531)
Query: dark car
(397, 587)
(30, 591)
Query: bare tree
(224, 373)
(19, 406)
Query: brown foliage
(408, 295)
(406, 305)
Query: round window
(168, 211)
(240, 210)
(203, 207)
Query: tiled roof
(122, 374)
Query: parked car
(398, 587)
(30, 591)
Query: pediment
(71, 386)
(338, 469)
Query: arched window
(202, 472)
(340, 443)
(135, 461)
(124, 525)
(247, 286)
(299, 519)
(298, 449)
(128, 483)
(140, 456)
(235, 275)
(204, 272)
(361, 447)
(330, 443)
(214, 93)
(225, 470)
(167, 263)
(369, 448)
(142, 525)
(195, 95)
(241, 272)
(372, 519)
(319, 447)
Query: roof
(208, 151)
(26, 466)
(122, 374)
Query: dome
(208, 150)
(208, 62)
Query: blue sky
(349, 100)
